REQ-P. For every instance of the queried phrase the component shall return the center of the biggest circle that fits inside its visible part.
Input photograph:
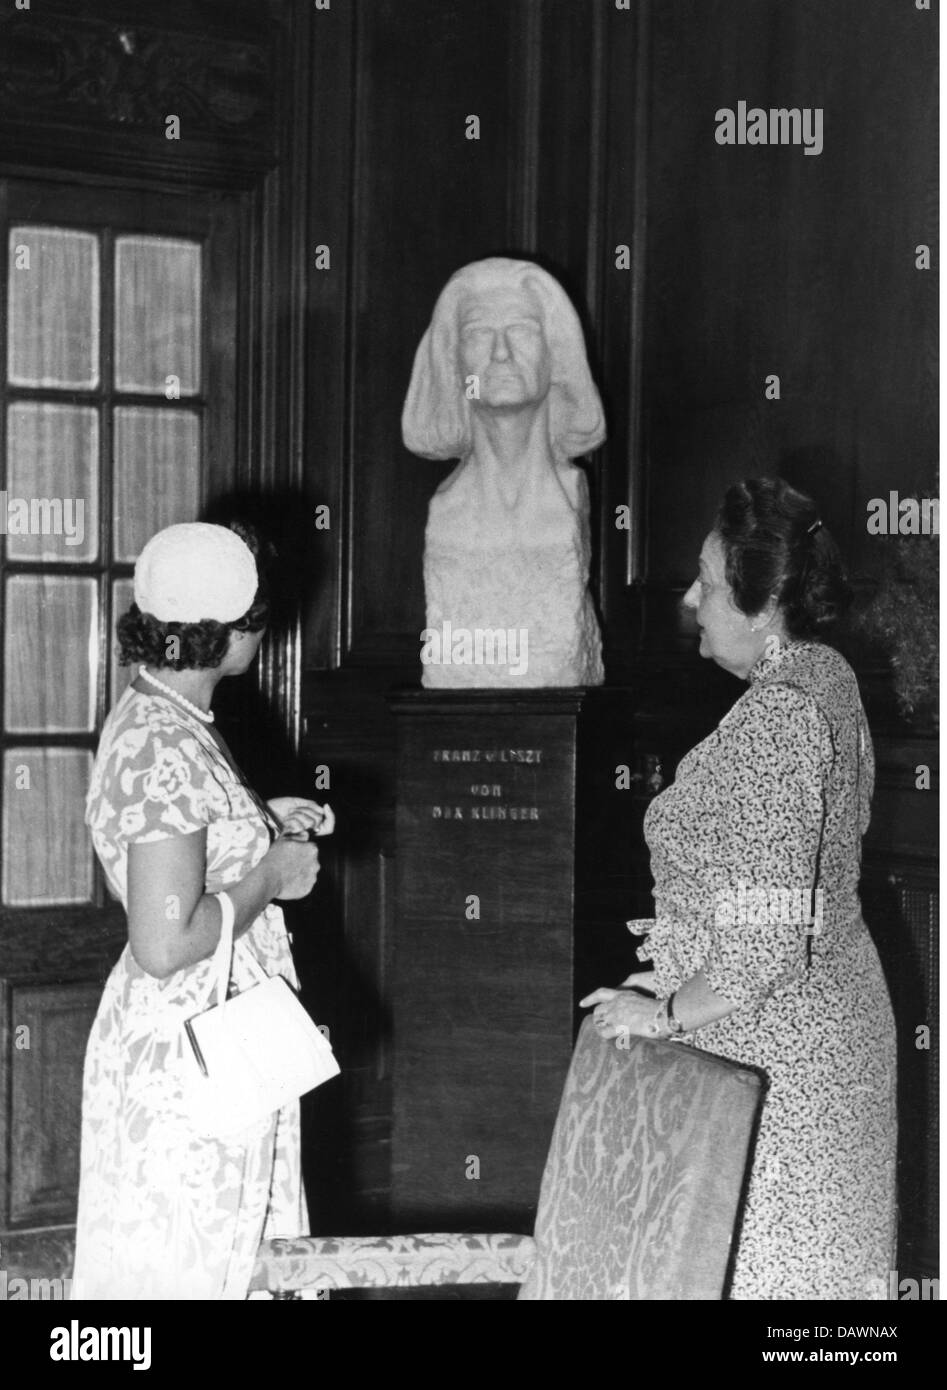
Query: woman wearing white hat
(164, 1213)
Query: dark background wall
(765, 260)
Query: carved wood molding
(83, 70)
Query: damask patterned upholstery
(389, 1262)
(638, 1199)
(644, 1173)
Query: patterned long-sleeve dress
(755, 852)
(163, 1213)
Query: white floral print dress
(163, 1213)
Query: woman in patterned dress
(164, 1213)
(758, 949)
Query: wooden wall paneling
(887, 360)
(612, 878)
(566, 227)
(53, 965)
(46, 1254)
(266, 477)
(795, 265)
(287, 234)
(622, 51)
(45, 1098)
(901, 909)
(8, 1161)
(904, 823)
(275, 367)
(225, 244)
(342, 952)
(347, 1160)
(567, 84)
(527, 85)
(332, 190)
(430, 200)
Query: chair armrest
(384, 1262)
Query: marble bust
(501, 382)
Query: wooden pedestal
(488, 950)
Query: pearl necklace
(205, 716)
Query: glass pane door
(103, 421)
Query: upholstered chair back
(645, 1171)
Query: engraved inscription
(487, 803)
(488, 755)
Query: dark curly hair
(772, 552)
(143, 639)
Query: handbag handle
(223, 955)
(222, 963)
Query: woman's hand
(641, 980)
(299, 816)
(292, 866)
(620, 1011)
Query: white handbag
(246, 1057)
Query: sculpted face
(502, 342)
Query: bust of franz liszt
(501, 382)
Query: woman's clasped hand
(293, 858)
(297, 816)
(629, 1010)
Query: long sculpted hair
(436, 420)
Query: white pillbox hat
(193, 571)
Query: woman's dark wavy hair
(771, 552)
(142, 638)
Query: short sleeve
(157, 784)
(772, 809)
